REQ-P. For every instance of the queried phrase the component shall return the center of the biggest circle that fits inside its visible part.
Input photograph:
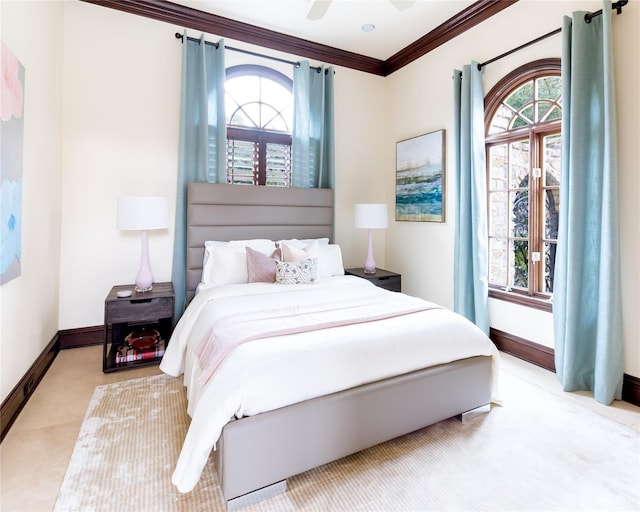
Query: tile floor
(35, 453)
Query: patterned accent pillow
(297, 272)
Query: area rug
(539, 451)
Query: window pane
(240, 118)
(243, 88)
(278, 97)
(555, 113)
(551, 177)
(521, 96)
(498, 214)
(551, 213)
(277, 124)
(548, 88)
(549, 264)
(519, 203)
(498, 261)
(498, 167)
(519, 264)
(543, 109)
(527, 113)
(547, 111)
(519, 164)
(501, 119)
(242, 160)
(518, 122)
(551, 164)
(252, 111)
(272, 120)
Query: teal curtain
(587, 299)
(312, 146)
(470, 275)
(201, 153)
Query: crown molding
(187, 17)
(453, 27)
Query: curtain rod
(587, 18)
(247, 52)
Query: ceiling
(341, 27)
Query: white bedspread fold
(290, 315)
(266, 372)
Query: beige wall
(122, 95)
(420, 101)
(122, 100)
(101, 121)
(29, 303)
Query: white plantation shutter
(261, 162)
(242, 159)
(278, 165)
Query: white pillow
(330, 261)
(294, 252)
(251, 243)
(226, 263)
(304, 242)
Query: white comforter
(273, 372)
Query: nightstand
(382, 278)
(136, 328)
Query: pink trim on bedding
(234, 329)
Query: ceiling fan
(319, 7)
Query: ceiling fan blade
(401, 5)
(318, 9)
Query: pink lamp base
(144, 278)
(370, 263)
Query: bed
(297, 395)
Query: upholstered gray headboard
(240, 212)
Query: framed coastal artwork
(420, 178)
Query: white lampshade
(143, 213)
(371, 216)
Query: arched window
(259, 111)
(523, 114)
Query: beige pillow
(293, 253)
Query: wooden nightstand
(132, 323)
(382, 278)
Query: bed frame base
(256, 451)
(280, 487)
(256, 496)
(474, 413)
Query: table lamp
(370, 216)
(143, 213)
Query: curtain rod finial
(619, 4)
(178, 35)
